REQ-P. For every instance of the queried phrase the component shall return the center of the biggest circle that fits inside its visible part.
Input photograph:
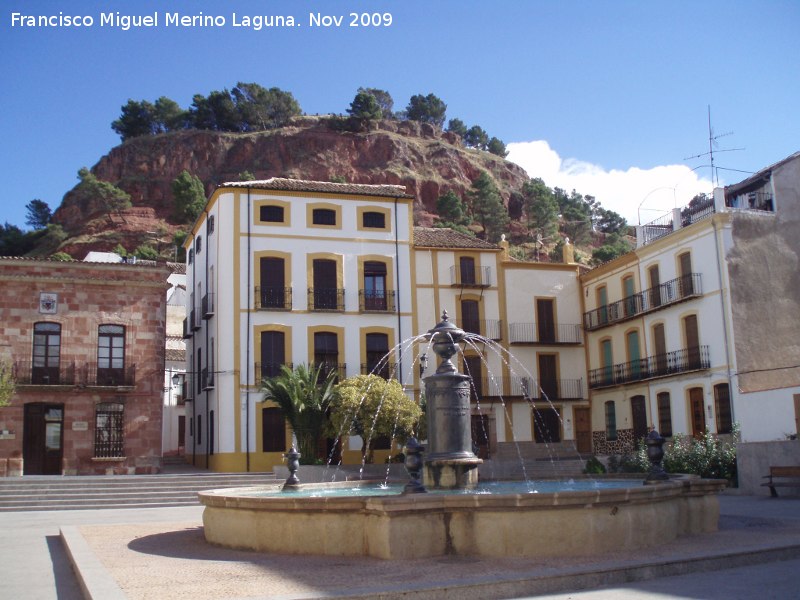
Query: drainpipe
(209, 358)
(397, 285)
(247, 350)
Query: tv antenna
(712, 144)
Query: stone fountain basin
(570, 523)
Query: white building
(692, 331)
(288, 272)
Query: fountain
(449, 519)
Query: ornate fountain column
(449, 462)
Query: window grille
(109, 432)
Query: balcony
(326, 299)
(547, 389)
(386, 370)
(327, 367)
(656, 298)
(194, 320)
(61, 373)
(95, 376)
(207, 379)
(476, 277)
(266, 370)
(685, 360)
(273, 298)
(187, 329)
(376, 301)
(550, 335)
(489, 328)
(207, 306)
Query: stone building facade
(86, 345)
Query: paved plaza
(160, 553)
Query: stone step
(118, 491)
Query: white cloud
(637, 194)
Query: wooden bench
(782, 477)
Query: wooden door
(692, 342)
(546, 322)
(325, 291)
(660, 343)
(273, 282)
(273, 353)
(546, 426)
(43, 436)
(582, 417)
(639, 417)
(655, 286)
(548, 377)
(697, 408)
(181, 431)
(466, 267)
(634, 356)
(470, 316)
(685, 266)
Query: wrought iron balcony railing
(100, 376)
(60, 372)
(530, 333)
(326, 299)
(387, 370)
(651, 367)
(488, 328)
(655, 298)
(376, 301)
(267, 370)
(273, 298)
(187, 329)
(547, 389)
(474, 277)
(326, 367)
(207, 306)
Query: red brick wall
(89, 294)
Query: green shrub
(707, 456)
(594, 467)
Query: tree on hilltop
(261, 109)
(426, 109)
(384, 100)
(364, 110)
(458, 127)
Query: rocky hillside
(428, 161)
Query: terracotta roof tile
(175, 355)
(301, 185)
(444, 237)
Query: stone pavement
(161, 554)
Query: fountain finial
(445, 338)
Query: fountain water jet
(417, 525)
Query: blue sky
(607, 97)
